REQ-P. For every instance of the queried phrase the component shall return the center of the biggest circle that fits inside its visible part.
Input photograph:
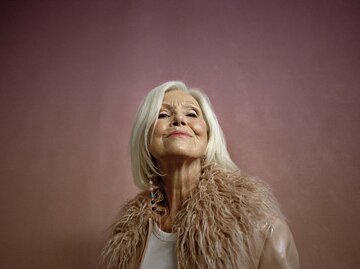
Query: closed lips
(179, 133)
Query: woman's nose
(178, 120)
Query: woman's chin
(182, 155)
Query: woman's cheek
(200, 127)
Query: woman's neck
(181, 178)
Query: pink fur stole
(223, 224)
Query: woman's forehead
(178, 97)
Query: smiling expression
(180, 130)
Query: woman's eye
(192, 114)
(163, 115)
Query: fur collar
(221, 225)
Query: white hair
(143, 166)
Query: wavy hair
(142, 163)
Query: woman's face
(180, 130)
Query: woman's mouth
(179, 134)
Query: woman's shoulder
(245, 185)
(130, 212)
(128, 231)
(279, 250)
(251, 196)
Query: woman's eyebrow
(192, 106)
(195, 108)
(166, 106)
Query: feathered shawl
(223, 224)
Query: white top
(160, 252)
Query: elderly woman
(197, 210)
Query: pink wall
(283, 77)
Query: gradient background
(283, 77)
